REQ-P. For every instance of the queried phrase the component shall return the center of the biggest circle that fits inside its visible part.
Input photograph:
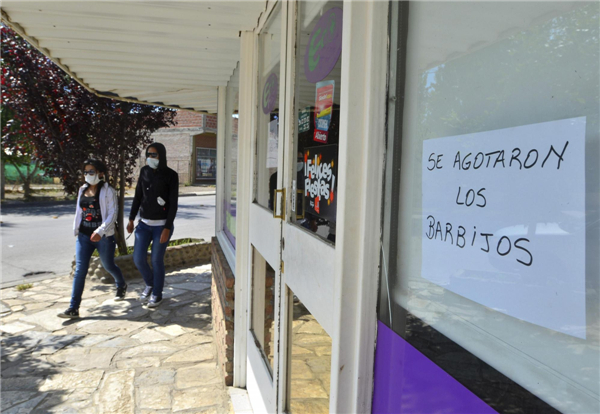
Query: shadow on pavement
(25, 376)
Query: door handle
(275, 192)
(301, 194)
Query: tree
(53, 112)
(64, 123)
(17, 150)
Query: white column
(361, 163)
(244, 199)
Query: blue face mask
(152, 163)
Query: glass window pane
(231, 153)
(206, 165)
(263, 307)
(316, 136)
(309, 362)
(269, 55)
(507, 268)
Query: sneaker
(69, 314)
(154, 301)
(146, 294)
(121, 291)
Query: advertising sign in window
(320, 185)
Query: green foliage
(14, 177)
(24, 286)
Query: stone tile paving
(310, 364)
(118, 357)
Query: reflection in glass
(263, 307)
(231, 154)
(269, 55)
(309, 364)
(317, 106)
(498, 66)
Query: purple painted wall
(408, 382)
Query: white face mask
(152, 162)
(299, 166)
(92, 179)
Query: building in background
(191, 145)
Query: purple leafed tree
(61, 123)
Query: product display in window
(318, 76)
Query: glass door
(266, 213)
(309, 229)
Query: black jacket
(162, 182)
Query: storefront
(408, 213)
(281, 223)
(490, 299)
(460, 166)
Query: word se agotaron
(515, 246)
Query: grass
(177, 242)
(25, 286)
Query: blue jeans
(155, 276)
(84, 248)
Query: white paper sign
(272, 144)
(504, 220)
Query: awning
(159, 52)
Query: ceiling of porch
(167, 53)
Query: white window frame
(364, 79)
(224, 242)
(360, 192)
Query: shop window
(491, 264)
(206, 163)
(231, 156)
(317, 108)
(268, 128)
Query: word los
(516, 158)
(458, 237)
(470, 197)
(320, 180)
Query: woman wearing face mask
(94, 227)
(155, 198)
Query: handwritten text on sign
(504, 220)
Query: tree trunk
(2, 178)
(27, 185)
(121, 243)
(27, 178)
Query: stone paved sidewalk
(119, 357)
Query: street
(39, 238)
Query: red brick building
(191, 147)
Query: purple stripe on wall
(408, 382)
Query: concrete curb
(19, 203)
